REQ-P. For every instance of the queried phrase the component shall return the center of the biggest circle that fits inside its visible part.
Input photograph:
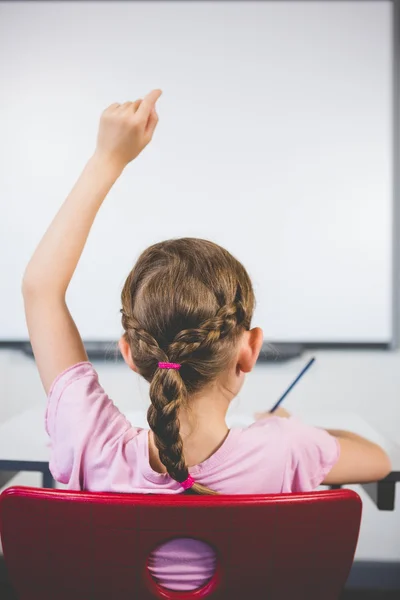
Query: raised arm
(123, 133)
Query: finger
(112, 107)
(131, 106)
(136, 104)
(147, 105)
(260, 415)
(152, 123)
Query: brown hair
(185, 301)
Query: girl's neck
(196, 451)
(203, 430)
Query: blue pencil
(291, 386)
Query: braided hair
(185, 301)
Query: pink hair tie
(167, 365)
(188, 483)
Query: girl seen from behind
(187, 308)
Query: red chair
(64, 545)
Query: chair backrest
(94, 546)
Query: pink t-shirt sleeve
(83, 424)
(312, 454)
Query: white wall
(365, 382)
(274, 140)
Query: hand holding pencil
(279, 412)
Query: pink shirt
(95, 448)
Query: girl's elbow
(38, 287)
(359, 463)
(27, 289)
(385, 466)
(29, 285)
(378, 466)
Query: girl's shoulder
(72, 374)
(283, 454)
(82, 421)
(292, 432)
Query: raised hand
(126, 129)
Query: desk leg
(47, 479)
(382, 493)
(6, 476)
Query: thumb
(152, 123)
(148, 104)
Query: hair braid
(167, 394)
(186, 301)
(141, 341)
(189, 341)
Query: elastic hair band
(167, 365)
(188, 483)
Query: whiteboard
(275, 141)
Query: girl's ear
(125, 350)
(251, 347)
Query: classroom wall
(366, 382)
(312, 158)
